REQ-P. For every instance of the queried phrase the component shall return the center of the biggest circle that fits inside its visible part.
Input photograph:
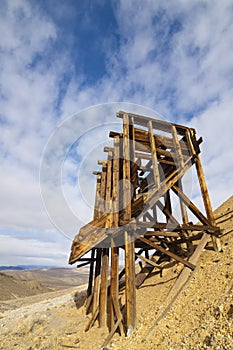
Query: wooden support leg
(89, 289)
(104, 289)
(180, 165)
(115, 311)
(130, 290)
(96, 291)
(206, 200)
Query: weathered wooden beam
(167, 252)
(167, 209)
(155, 194)
(154, 155)
(114, 286)
(96, 214)
(116, 325)
(92, 319)
(114, 278)
(158, 124)
(90, 281)
(191, 205)
(130, 281)
(96, 289)
(143, 274)
(206, 200)
(126, 169)
(180, 164)
(177, 227)
(103, 190)
(162, 233)
(96, 172)
(148, 261)
(104, 289)
(130, 291)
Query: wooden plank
(155, 214)
(130, 292)
(158, 124)
(102, 162)
(145, 271)
(116, 325)
(206, 200)
(180, 163)
(108, 149)
(96, 172)
(114, 279)
(193, 259)
(178, 227)
(102, 190)
(115, 180)
(97, 197)
(104, 289)
(190, 143)
(148, 261)
(108, 184)
(96, 289)
(108, 196)
(126, 169)
(191, 205)
(167, 210)
(95, 234)
(105, 257)
(155, 194)
(133, 166)
(162, 233)
(90, 281)
(177, 148)
(142, 275)
(92, 319)
(114, 288)
(119, 317)
(154, 154)
(168, 157)
(167, 252)
(141, 136)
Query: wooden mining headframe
(134, 212)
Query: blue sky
(58, 58)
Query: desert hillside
(200, 318)
(16, 284)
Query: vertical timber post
(130, 289)
(154, 155)
(207, 203)
(114, 286)
(105, 257)
(180, 164)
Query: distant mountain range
(25, 267)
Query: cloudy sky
(60, 58)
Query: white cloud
(176, 58)
(33, 252)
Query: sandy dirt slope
(201, 318)
(13, 288)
